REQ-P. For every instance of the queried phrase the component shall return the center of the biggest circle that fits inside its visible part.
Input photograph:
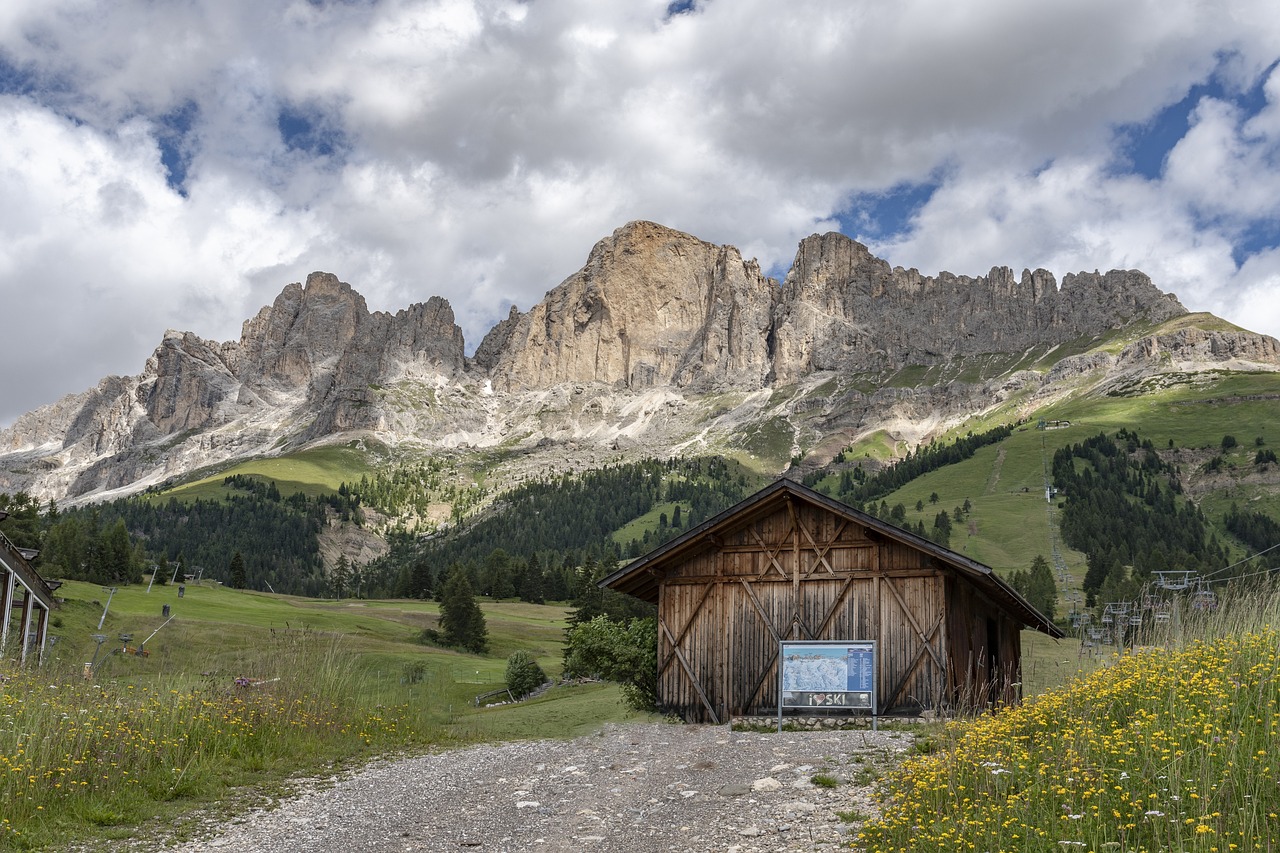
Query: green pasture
(1195, 410)
(650, 521)
(221, 633)
(316, 471)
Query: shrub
(523, 674)
(625, 653)
(824, 780)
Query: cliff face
(309, 358)
(844, 309)
(641, 348)
(651, 307)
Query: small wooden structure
(37, 600)
(789, 563)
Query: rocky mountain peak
(843, 308)
(621, 352)
(652, 306)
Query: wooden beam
(914, 624)
(6, 604)
(795, 564)
(835, 605)
(27, 599)
(773, 632)
(856, 574)
(821, 550)
(688, 671)
(835, 546)
(906, 675)
(687, 625)
(751, 594)
(772, 552)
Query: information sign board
(831, 674)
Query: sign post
(827, 674)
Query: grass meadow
(316, 471)
(1174, 746)
(241, 693)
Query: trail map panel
(837, 674)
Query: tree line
(1124, 511)
(856, 488)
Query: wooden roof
(12, 560)
(641, 576)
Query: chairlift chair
(1204, 598)
(1175, 580)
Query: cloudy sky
(175, 164)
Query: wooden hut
(17, 575)
(789, 563)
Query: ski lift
(1204, 598)
(1114, 610)
(1175, 580)
(1162, 611)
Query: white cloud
(100, 255)
(480, 148)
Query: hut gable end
(789, 563)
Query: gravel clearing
(634, 788)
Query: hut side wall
(798, 573)
(985, 650)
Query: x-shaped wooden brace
(821, 550)
(678, 655)
(926, 641)
(772, 552)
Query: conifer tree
(532, 583)
(339, 576)
(1042, 591)
(236, 571)
(461, 622)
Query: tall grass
(78, 756)
(1173, 746)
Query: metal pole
(156, 631)
(105, 609)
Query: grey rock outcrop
(657, 345)
(842, 308)
(652, 306)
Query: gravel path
(633, 788)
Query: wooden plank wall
(798, 573)
(976, 684)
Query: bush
(625, 653)
(523, 674)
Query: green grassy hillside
(1011, 521)
(217, 630)
(316, 471)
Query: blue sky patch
(680, 7)
(875, 217)
(15, 80)
(307, 131)
(173, 135)
(1146, 145)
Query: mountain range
(662, 344)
